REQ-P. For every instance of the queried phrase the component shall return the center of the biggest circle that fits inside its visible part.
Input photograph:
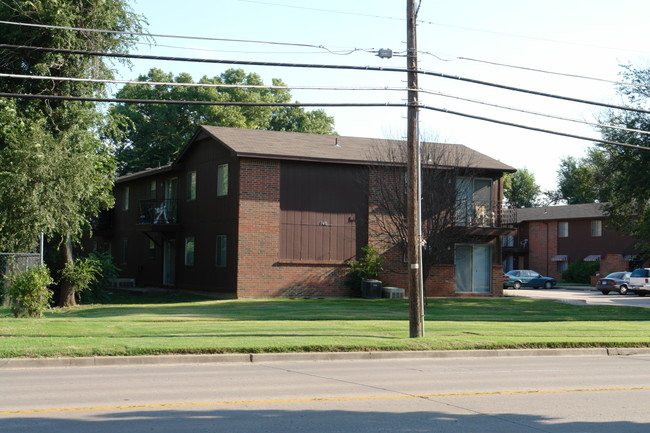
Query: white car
(640, 281)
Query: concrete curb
(108, 361)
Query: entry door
(169, 262)
(473, 270)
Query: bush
(368, 267)
(28, 292)
(580, 272)
(82, 273)
(96, 292)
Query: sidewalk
(114, 361)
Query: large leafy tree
(520, 189)
(151, 135)
(626, 170)
(54, 171)
(583, 180)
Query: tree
(445, 171)
(150, 135)
(520, 189)
(582, 180)
(54, 171)
(625, 172)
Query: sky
(466, 38)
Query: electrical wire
(316, 104)
(433, 23)
(199, 38)
(208, 85)
(535, 113)
(542, 71)
(328, 88)
(322, 66)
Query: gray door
(169, 263)
(473, 270)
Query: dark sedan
(614, 282)
(527, 278)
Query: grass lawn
(146, 325)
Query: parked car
(526, 278)
(614, 282)
(638, 280)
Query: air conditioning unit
(393, 293)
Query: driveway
(581, 296)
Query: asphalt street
(465, 394)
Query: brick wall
(542, 241)
(260, 272)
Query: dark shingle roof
(257, 143)
(325, 148)
(573, 211)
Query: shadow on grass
(282, 309)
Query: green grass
(173, 323)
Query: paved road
(581, 296)
(515, 394)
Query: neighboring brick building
(250, 213)
(549, 238)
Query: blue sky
(582, 37)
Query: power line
(535, 113)
(199, 38)
(208, 85)
(432, 23)
(328, 88)
(542, 71)
(322, 66)
(532, 128)
(315, 104)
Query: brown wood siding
(323, 211)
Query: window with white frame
(151, 250)
(596, 228)
(222, 180)
(126, 198)
(124, 249)
(563, 229)
(191, 186)
(222, 243)
(189, 251)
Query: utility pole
(414, 241)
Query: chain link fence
(12, 263)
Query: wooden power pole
(414, 241)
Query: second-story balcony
(158, 214)
(485, 217)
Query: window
(474, 201)
(124, 248)
(189, 251)
(191, 186)
(563, 229)
(152, 249)
(152, 190)
(222, 180)
(222, 242)
(562, 266)
(596, 228)
(125, 198)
